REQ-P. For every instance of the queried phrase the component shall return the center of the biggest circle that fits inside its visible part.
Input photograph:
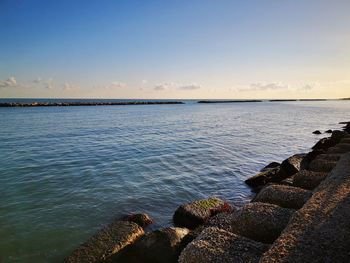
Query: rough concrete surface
(308, 179)
(320, 231)
(283, 195)
(106, 242)
(215, 245)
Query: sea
(65, 172)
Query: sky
(179, 49)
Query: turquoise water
(66, 171)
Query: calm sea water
(66, 171)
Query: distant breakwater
(227, 101)
(64, 104)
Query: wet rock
(196, 213)
(322, 165)
(345, 140)
(328, 131)
(326, 143)
(309, 157)
(292, 164)
(330, 156)
(143, 220)
(270, 175)
(106, 242)
(316, 132)
(160, 246)
(215, 245)
(270, 166)
(308, 179)
(338, 135)
(323, 144)
(339, 148)
(284, 196)
(260, 221)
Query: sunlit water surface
(66, 171)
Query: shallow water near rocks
(66, 171)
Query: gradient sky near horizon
(175, 49)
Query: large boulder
(316, 132)
(340, 148)
(308, 179)
(196, 213)
(319, 231)
(292, 164)
(269, 175)
(328, 142)
(106, 242)
(260, 221)
(309, 157)
(322, 165)
(143, 220)
(160, 246)
(215, 245)
(270, 166)
(284, 196)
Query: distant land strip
(62, 104)
(227, 101)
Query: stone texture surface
(106, 242)
(196, 213)
(320, 231)
(292, 164)
(308, 179)
(215, 245)
(322, 165)
(283, 195)
(339, 148)
(260, 221)
(143, 220)
(160, 246)
(270, 175)
(270, 166)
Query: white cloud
(116, 85)
(307, 87)
(144, 81)
(69, 86)
(190, 87)
(37, 80)
(164, 86)
(265, 86)
(10, 82)
(49, 84)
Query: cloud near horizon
(116, 85)
(265, 87)
(189, 87)
(10, 82)
(169, 85)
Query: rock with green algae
(198, 212)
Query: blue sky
(175, 49)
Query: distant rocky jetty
(300, 213)
(58, 104)
(227, 101)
